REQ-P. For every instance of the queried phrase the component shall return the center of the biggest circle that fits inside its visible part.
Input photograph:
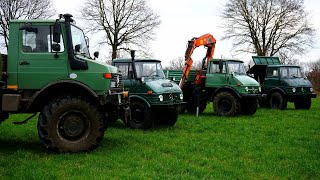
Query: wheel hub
(137, 115)
(225, 105)
(73, 125)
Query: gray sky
(184, 19)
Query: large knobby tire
(192, 108)
(168, 117)
(141, 116)
(226, 104)
(278, 101)
(69, 124)
(303, 103)
(249, 106)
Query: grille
(117, 79)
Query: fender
(227, 88)
(276, 89)
(140, 98)
(80, 86)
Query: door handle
(24, 63)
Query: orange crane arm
(206, 40)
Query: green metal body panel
(292, 86)
(266, 60)
(44, 67)
(139, 89)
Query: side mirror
(96, 54)
(56, 32)
(56, 47)
(142, 79)
(77, 48)
(275, 73)
(173, 78)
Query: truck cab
(153, 98)
(282, 83)
(48, 69)
(231, 73)
(224, 83)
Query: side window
(284, 72)
(270, 72)
(125, 69)
(214, 68)
(38, 39)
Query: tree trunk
(114, 52)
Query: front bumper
(294, 97)
(167, 105)
(251, 96)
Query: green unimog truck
(153, 98)
(225, 83)
(281, 83)
(48, 69)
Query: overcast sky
(184, 19)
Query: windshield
(236, 68)
(79, 42)
(290, 72)
(149, 69)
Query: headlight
(294, 90)
(247, 89)
(259, 89)
(311, 89)
(181, 96)
(161, 98)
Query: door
(272, 78)
(215, 77)
(38, 65)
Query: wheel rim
(225, 105)
(137, 114)
(73, 125)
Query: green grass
(268, 145)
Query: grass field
(269, 145)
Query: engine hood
(246, 80)
(163, 86)
(298, 82)
(93, 64)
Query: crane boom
(206, 40)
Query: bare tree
(287, 58)
(314, 75)
(22, 9)
(176, 64)
(267, 27)
(197, 65)
(125, 23)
